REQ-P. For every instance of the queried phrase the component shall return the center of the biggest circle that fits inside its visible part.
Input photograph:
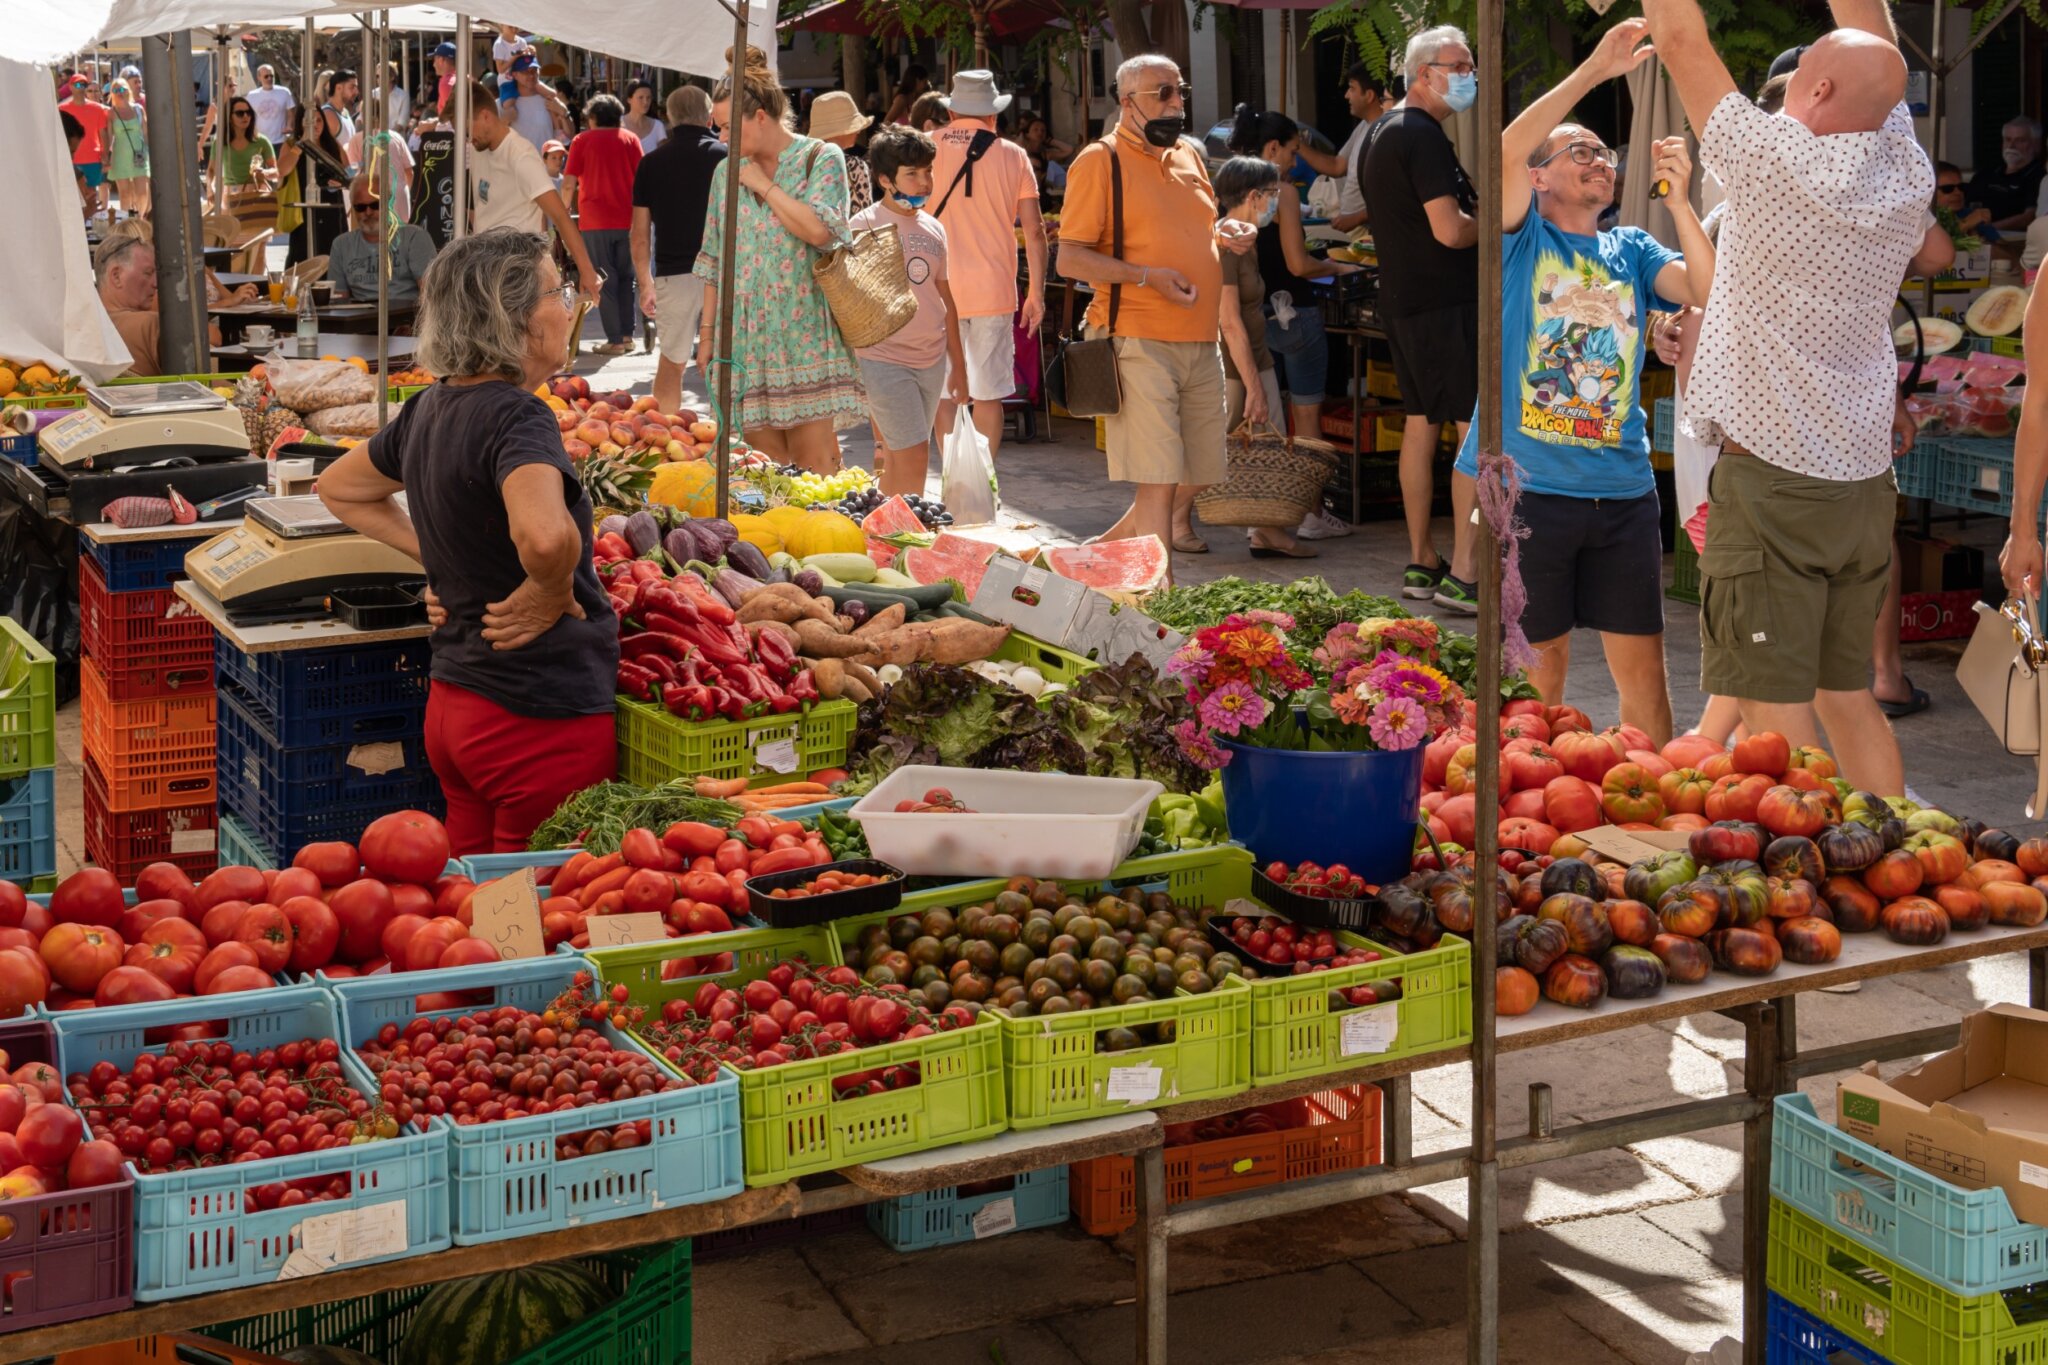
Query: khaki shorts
(990, 346)
(1792, 580)
(678, 305)
(1170, 429)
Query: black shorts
(1592, 562)
(1436, 360)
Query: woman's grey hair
(1133, 67)
(1424, 46)
(475, 302)
(1241, 177)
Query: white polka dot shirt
(1795, 360)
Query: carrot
(791, 802)
(720, 789)
(789, 788)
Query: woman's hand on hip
(437, 615)
(529, 613)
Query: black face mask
(1164, 131)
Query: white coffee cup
(257, 335)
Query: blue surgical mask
(1266, 213)
(911, 201)
(1461, 92)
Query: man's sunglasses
(1956, 188)
(364, 206)
(1585, 154)
(1165, 94)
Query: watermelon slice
(979, 550)
(934, 565)
(893, 517)
(1125, 569)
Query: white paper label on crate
(1369, 1030)
(375, 760)
(2032, 1174)
(1133, 1084)
(777, 755)
(995, 1219)
(355, 1234)
(299, 1264)
(193, 841)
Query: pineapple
(617, 480)
(263, 417)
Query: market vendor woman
(525, 644)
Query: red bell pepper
(636, 681)
(653, 642)
(804, 687)
(692, 701)
(613, 545)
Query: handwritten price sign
(506, 915)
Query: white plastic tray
(1024, 824)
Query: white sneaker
(1322, 524)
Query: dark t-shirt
(453, 447)
(1410, 162)
(674, 185)
(2005, 192)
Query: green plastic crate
(1296, 1033)
(42, 886)
(1058, 665)
(655, 746)
(790, 1123)
(647, 1324)
(28, 702)
(1685, 571)
(1904, 1317)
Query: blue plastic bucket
(1299, 805)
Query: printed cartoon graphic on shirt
(1579, 379)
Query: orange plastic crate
(1343, 1134)
(168, 1349)
(154, 752)
(125, 842)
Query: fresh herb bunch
(1312, 602)
(597, 818)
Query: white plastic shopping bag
(1692, 460)
(968, 483)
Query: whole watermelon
(327, 1355)
(488, 1319)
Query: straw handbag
(1273, 482)
(867, 287)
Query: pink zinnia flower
(1190, 662)
(1233, 707)
(1196, 744)
(1398, 724)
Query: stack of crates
(317, 743)
(28, 753)
(1876, 1260)
(146, 711)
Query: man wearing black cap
(1795, 377)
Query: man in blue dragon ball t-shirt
(1575, 303)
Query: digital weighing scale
(285, 558)
(145, 424)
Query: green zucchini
(874, 599)
(965, 613)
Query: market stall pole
(181, 300)
(390, 233)
(462, 84)
(728, 266)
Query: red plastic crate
(1342, 1134)
(125, 842)
(1938, 615)
(75, 1249)
(152, 752)
(147, 644)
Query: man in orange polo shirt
(1165, 286)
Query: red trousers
(504, 774)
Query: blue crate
(28, 826)
(138, 565)
(1919, 469)
(1974, 474)
(286, 816)
(937, 1218)
(294, 694)
(1795, 1338)
(507, 1180)
(321, 773)
(19, 447)
(239, 847)
(192, 1234)
(1967, 1241)
(1664, 425)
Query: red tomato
(222, 958)
(13, 905)
(177, 931)
(409, 899)
(424, 948)
(648, 892)
(138, 917)
(231, 884)
(641, 849)
(24, 980)
(1791, 810)
(49, 1134)
(1767, 754)
(1572, 803)
(364, 907)
(93, 1163)
(42, 1082)
(1689, 751)
(450, 893)
(294, 881)
(316, 932)
(397, 933)
(132, 985)
(90, 895)
(18, 938)
(1529, 765)
(174, 964)
(465, 952)
(1736, 796)
(238, 979)
(266, 929)
(80, 954)
(218, 923)
(13, 1104)
(335, 864)
(167, 881)
(1586, 756)
(406, 846)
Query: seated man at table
(352, 260)
(125, 268)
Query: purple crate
(75, 1249)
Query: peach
(600, 411)
(643, 403)
(678, 451)
(593, 432)
(624, 435)
(608, 450)
(703, 431)
(576, 449)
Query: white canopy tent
(48, 306)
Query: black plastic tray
(374, 608)
(1224, 943)
(1315, 911)
(802, 911)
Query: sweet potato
(820, 641)
(765, 606)
(950, 641)
(830, 675)
(853, 690)
(800, 602)
(859, 672)
(881, 623)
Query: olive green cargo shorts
(1792, 580)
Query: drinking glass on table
(276, 282)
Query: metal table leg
(1152, 1291)
(2037, 978)
(1397, 1121)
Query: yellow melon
(689, 484)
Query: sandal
(1190, 545)
(1292, 550)
(1916, 701)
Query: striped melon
(487, 1319)
(327, 1355)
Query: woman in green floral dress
(796, 380)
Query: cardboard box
(1070, 614)
(1936, 565)
(1976, 1116)
(1612, 843)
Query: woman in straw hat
(836, 119)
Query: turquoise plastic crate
(1797, 1338)
(1974, 474)
(1664, 425)
(1967, 1241)
(239, 847)
(1918, 470)
(937, 1218)
(192, 1234)
(508, 1182)
(28, 827)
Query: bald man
(1795, 378)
